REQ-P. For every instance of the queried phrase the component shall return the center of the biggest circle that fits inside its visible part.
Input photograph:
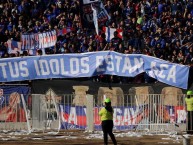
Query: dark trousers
(190, 122)
(107, 127)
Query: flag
(89, 1)
(95, 19)
(86, 11)
(103, 13)
(73, 116)
(109, 32)
(64, 31)
(13, 46)
(1, 27)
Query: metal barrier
(45, 113)
(151, 112)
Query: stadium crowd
(159, 28)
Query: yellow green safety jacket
(189, 103)
(105, 115)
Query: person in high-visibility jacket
(106, 115)
(189, 108)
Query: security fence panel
(45, 112)
(54, 116)
(89, 113)
(137, 111)
(133, 112)
(39, 113)
(129, 114)
(146, 113)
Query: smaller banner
(38, 40)
(33, 42)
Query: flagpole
(80, 5)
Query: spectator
(189, 108)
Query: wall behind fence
(66, 86)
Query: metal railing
(152, 112)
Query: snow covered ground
(165, 138)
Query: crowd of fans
(159, 28)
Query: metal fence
(152, 112)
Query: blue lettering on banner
(92, 64)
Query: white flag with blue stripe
(95, 19)
(89, 1)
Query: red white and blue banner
(64, 31)
(123, 117)
(92, 64)
(32, 42)
(38, 40)
(11, 106)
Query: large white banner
(92, 64)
